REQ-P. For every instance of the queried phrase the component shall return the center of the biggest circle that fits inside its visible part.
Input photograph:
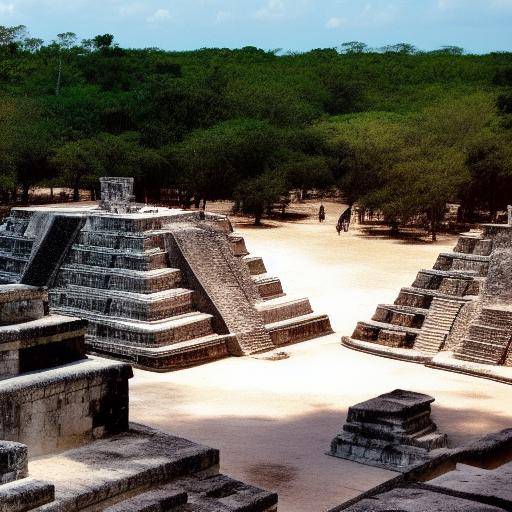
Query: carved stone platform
(393, 431)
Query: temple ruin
(67, 444)
(161, 288)
(456, 316)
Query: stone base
(392, 431)
(446, 361)
(405, 354)
(298, 329)
(145, 466)
(168, 357)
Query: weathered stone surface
(418, 500)
(13, 461)
(393, 430)
(26, 494)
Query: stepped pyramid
(457, 315)
(161, 288)
(65, 441)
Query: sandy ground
(273, 420)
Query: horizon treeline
(396, 130)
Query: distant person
(321, 213)
(344, 220)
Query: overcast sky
(476, 25)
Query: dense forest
(396, 130)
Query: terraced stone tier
(133, 281)
(144, 467)
(283, 308)
(386, 334)
(460, 261)
(256, 265)
(149, 260)
(405, 316)
(125, 305)
(158, 333)
(393, 431)
(164, 358)
(298, 329)
(269, 287)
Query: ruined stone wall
(58, 409)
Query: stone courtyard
(290, 409)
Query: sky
(479, 26)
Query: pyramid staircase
(489, 338)
(424, 313)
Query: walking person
(321, 213)
(344, 221)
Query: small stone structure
(161, 288)
(456, 316)
(67, 444)
(393, 431)
(475, 477)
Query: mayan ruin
(256, 256)
(457, 316)
(151, 281)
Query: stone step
(269, 287)
(492, 352)
(135, 281)
(489, 334)
(460, 261)
(437, 325)
(166, 357)
(25, 494)
(497, 317)
(432, 278)
(421, 298)
(148, 260)
(283, 308)
(466, 244)
(297, 329)
(237, 243)
(483, 247)
(162, 332)
(15, 245)
(386, 334)
(255, 264)
(124, 305)
(161, 499)
(122, 241)
(143, 457)
(12, 264)
(9, 277)
(406, 316)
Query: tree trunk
(257, 217)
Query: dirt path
(274, 420)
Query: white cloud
(6, 8)
(132, 9)
(223, 16)
(159, 15)
(272, 10)
(336, 22)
